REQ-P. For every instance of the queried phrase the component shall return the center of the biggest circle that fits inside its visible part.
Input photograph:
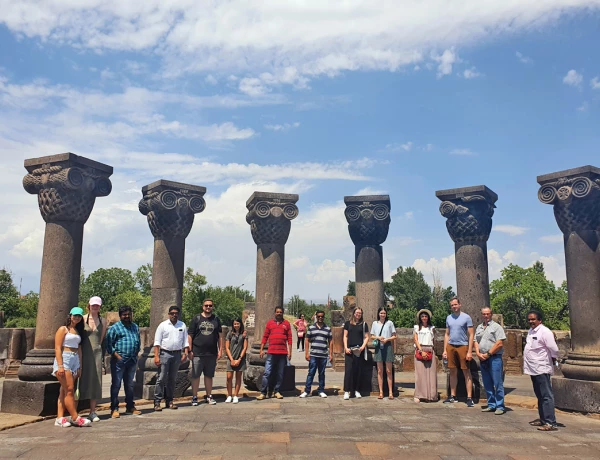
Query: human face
(533, 321)
(75, 319)
(320, 318)
(94, 309)
(279, 314)
(173, 316)
(455, 306)
(486, 314)
(301, 316)
(424, 318)
(358, 314)
(237, 325)
(382, 315)
(126, 317)
(207, 308)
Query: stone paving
(313, 427)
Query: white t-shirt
(388, 329)
(425, 335)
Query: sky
(322, 99)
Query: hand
(444, 355)
(289, 356)
(307, 356)
(347, 351)
(220, 354)
(262, 354)
(481, 356)
(118, 356)
(362, 348)
(78, 373)
(244, 334)
(157, 360)
(469, 356)
(331, 359)
(183, 358)
(61, 371)
(191, 355)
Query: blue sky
(321, 100)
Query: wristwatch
(489, 354)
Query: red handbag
(423, 356)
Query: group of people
(79, 353)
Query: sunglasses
(320, 316)
(173, 313)
(211, 305)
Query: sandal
(391, 397)
(380, 396)
(547, 428)
(536, 422)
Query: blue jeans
(122, 371)
(491, 374)
(273, 376)
(314, 364)
(542, 386)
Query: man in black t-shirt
(204, 339)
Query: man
(539, 358)
(204, 339)
(123, 346)
(169, 340)
(489, 347)
(278, 332)
(458, 349)
(319, 340)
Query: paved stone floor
(310, 428)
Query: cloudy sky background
(323, 99)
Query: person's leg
(298, 343)
(67, 384)
(210, 366)
(389, 371)
(229, 383)
(92, 406)
(348, 372)
(358, 365)
(238, 382)
(60, 405)
(380, 377)
(488, 383)
(312, 369)
(453, 366)
(302, 342)
(196, 373)
(466, 369)
(116, 374)
(163, 370)
(267, 375)
(281, 363)
(453, 381)
(497, 366)
(538, 395)
(547, 399)
(321, 366)
(173, 367)
(128, 376)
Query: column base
(147, 383)
(37, 366)
(580, 366)
(576, 395)
(29, 398)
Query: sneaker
(322, 394)
(81, 422)
(94, 417)
(235, 400)
(211, 401)
(488, 409)
(304, 394)
(194, 400)
(357, 394)
(229, 399)
(157, 407)
(278, 395)
(347, 395)
(62, 422)
(499, 412)
(115, 414)
(261, 396)
(450, 400)
(133, 411)
(470, 402)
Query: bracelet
(61, 366)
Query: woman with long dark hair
(383, 334)
(356, 336)
(425, 359)
(236, 345)
(67, 368)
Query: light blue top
(459, 329)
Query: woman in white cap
(90, 385)
(67, 368)
(425, 360)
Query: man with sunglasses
(204, 339)
(319, 348)
(169, 340)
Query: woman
(426, 367)
(356, 336)
(67, 368)
(90, 385)
(384, 333)
(236, 345)
(301, 325)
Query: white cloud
(397, 147)
(471, 73)
(465, 152)
(211, 80)
(283, 127)
(523, 59)
(408, 215)
(595, 83)
(512, 230)
(370, 191)
(583, 107)
(446, 60)
(428, 148)
(552, 238)
(107, 74)
(573, 78)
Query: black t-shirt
(356, 333)
(205, 335)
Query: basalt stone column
(270, 218)
(575, 195)
(66, 186)
(170, 208)
(368, 223)
(469, 212)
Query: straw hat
(423, 310)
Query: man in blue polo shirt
(319, 347)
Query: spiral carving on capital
(171, 213)
(66, 193)
(270, 221)
(368, 223)
(576, 202)
(469, 219)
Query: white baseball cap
(95, 301)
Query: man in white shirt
(170, 340)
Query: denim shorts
(70, 362)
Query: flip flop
(536, 422)
(380, 397)
(391, 397)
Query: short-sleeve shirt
(356, 333)
(425, 335)
(486, 337)
(459, 329)
(205, 335)
(236, 344)
(387, 331)
(319, 338)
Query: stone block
(349, 306)
(513, 366)
(30, 398)
(337, 318)
(338, 339)
(576, 395)
(253, 376)
(111, 318)
(408, 364)
(513, 345)
(405, 345)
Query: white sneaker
(229, 399)
(94, 417)
(347, 395)
(304, 394)
(211, 401)
(357, 394)
(235, 400)
(62, 422)
(322, 394)
(81, 422)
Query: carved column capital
(170, 207)
(67, 185)
(368, 218)
(270, 215)
(575, 195)
(469, 212)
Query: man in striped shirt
(278, 332)
(319, 340)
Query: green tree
(143, 279)
(520, 289)
(139, 303)
(193, 294)
(27, 311)
(227, 306)
(351, 290)
(9, 295)
(410, 292)
(296, 305)
(108, 283)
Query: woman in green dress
(90, 384)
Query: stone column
(170, 208)
(575, 195)
(469, 211)
(269, 216)
(67, 186)
(368, 223)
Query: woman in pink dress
(301, 325)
